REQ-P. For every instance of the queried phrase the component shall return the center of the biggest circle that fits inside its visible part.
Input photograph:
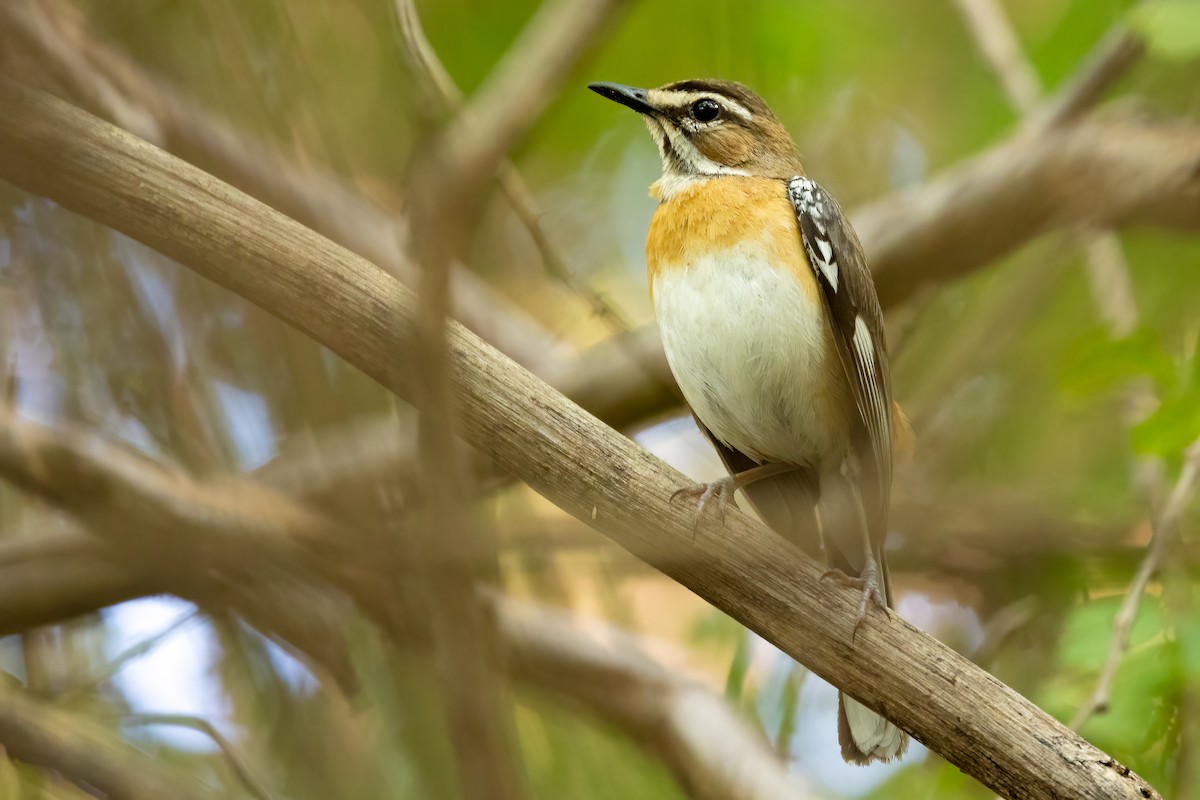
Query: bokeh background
(1054, 391)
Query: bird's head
(707, 128)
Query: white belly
(751, 353)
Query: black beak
(625, 95)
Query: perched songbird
(773, 331)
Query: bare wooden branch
(1165, 525)
(1099, 173)
(82, 752)
(50, 148)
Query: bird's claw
(868, 583)
(722, 489)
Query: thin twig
(1107, 269)
(1112, 289)
(998, 43)
(441, 89)
(237, 763)
(1111, 284)
(114, 666)
(1106, 64)
(521, 86)
(1164, 532)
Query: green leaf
(1097, 363)
(735, 680)
(1089, 631)
(1171, 28)
(1173, 426)
(1188, 640)
(790, 703)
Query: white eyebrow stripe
(682, 100)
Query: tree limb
(50, 148)
(1095, 173)
(81, 751)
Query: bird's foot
(722, 490)
(868, 582)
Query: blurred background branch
(80, 751)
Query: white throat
(683, 164)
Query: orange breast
(719, 213)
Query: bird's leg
(869, 580)
(723, 489)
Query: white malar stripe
(697, 165)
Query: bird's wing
(837, 260)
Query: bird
(773, 331)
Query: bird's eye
(705, 110)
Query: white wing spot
(830, 270)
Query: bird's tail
(787, 504)
(865, 736)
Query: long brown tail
(787, 504)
